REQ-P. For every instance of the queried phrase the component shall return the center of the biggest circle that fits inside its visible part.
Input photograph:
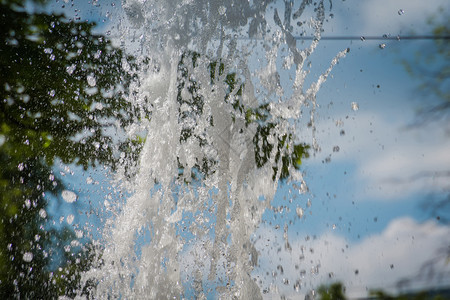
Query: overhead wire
(377, 38)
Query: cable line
(377, 38)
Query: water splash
(219, 122)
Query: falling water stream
(225, 90)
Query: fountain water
(220, 134)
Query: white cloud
(378, 261)
(391, 161)
(378, 17)
(384, 17)
(409, 168)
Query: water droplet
(299, 212)
(98, 54)
(315, 270)
(42, 213)
(401, 12)
(297, 286)
(91, 80)
(89, 180)
(355, 106)
(28, 256)
(336, 149)
(70, 69)
(98, 106)
(70, 219)
(280, 269)
(79, 234)
(52, 93)
(20, 167)
(303, 187)
(69, 196)
(27, 203)
(382, 46)
(363, 38)
(222, 10)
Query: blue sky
(356, 204)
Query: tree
(61, 86)
(421, 295)
(334, 291)
(432, 67)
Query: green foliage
(61, 86)
(333, 292)
(287, 151)
(422, 295)
(336, 291)
(59, 82)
